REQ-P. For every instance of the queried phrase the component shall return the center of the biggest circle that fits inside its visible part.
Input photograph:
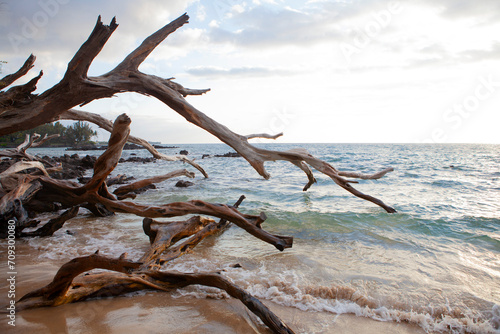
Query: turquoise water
(435, 263)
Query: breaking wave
(287, 289)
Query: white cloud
(267, 56)
(213, 24)
(219, 72)
(238, 9)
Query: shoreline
(157, 312)
(393, 260)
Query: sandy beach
(352, 269)
(157, 312)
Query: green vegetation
(79, 133)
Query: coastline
(411, 262)
(157, 312)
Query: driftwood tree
(20, 109)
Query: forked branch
(126, 77)
(63, 290)
(9, 79)
(103, 123)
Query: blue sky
(320, 71)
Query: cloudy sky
(320, 71)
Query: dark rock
(184, 184)
(160, 146)
(129, 146)
(184, 152)
(88, 147)
(228, 155)
(49, 159)
(73, 167)
(205, 156)
(138, 159)
(88, 161)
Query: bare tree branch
(80, 115)
(127, 77)
(64, 290)
(9, 79)
(123, 190)
(264, 135)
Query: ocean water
(435, 264)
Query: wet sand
(157, 312)
(160, 313)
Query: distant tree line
(78, 133)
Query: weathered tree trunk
(79, 115)
(11, 205)
(95, 193)
(22, 110)
(69, 286)
(31, 110)
(52, 225)
(140, 276)
(65, 289)
(123, 190)
(9, 79)
(20, 151)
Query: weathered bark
(49, 105)
(55, 292)
(22, 110)
(359, 175)
(69, 286)
(109, 159)
(249, 223)
(64, 288)
(20, 151)
(123, 190)
(119, 179)
(44, 139)
(94, 194)
(11, 205)
(35, 205)
(28, 141)
(19, 95)
(52, 225)
(163, 235)
(77, 88)
(217, 281)
(79, 115)
(264, 135)
(10, 179)
(9, 79)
